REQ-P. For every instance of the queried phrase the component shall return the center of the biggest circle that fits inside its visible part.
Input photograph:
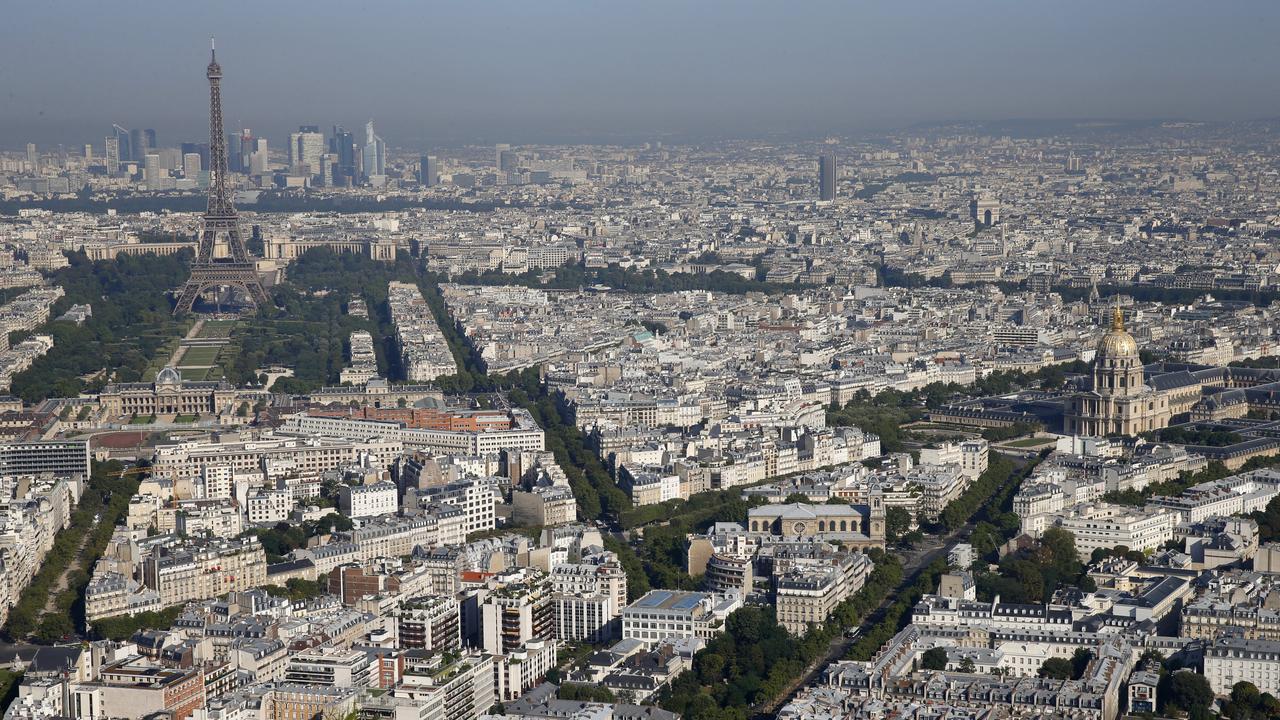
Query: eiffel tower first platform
(237, 269)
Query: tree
(1151, 655)
(1245, 695)
(897, 522)
(1188, 691)
(710, 665)
(1080, 661)
(54, 627)
(1056, 668)
(1061, 545)
(589, 693)
(934, 659)
(966, 665)
(985, 539)
(748, 625)
(702, 706)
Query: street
(915, 561)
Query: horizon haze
(452, 73)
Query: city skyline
(640, 361)
(457, 75)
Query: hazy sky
(433, 73)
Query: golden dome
(1117, 342)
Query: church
(1127, 398)
(1120, 402)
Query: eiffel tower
(237, 270)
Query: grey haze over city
(449, 73)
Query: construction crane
(131, 470)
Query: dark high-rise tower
(123, 151)
(827, 177)
(343, 146)
(428, 171)
(237, 269)
(137, 145)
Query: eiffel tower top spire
(219, 197)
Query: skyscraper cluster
(311, 159)
(124, 145)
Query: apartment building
(649, 486)
(970, 455)
(807, 594)
(424, 350)
(134, 687)
(391, 536)
(264, 659)
(673, 614)
(1232, 660)
(544, 506)
(62, 458)
(202, 569)
(1235, 495)
(588, 599)
(936, 611)
(1035, 503)
(477, 497)
(938, 486)
(268, 507)
(360, 501)
(430, 622)
(449, 687)
(522, 670)
(363, 365)
(30, 309)
(292, 701)
(1105, 526)
(111, 593)
(306, 456)
(524, 434)
(32, 512)
(330, 667)
(518, 608)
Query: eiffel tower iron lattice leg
(242, 277)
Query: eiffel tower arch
(221, 223)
